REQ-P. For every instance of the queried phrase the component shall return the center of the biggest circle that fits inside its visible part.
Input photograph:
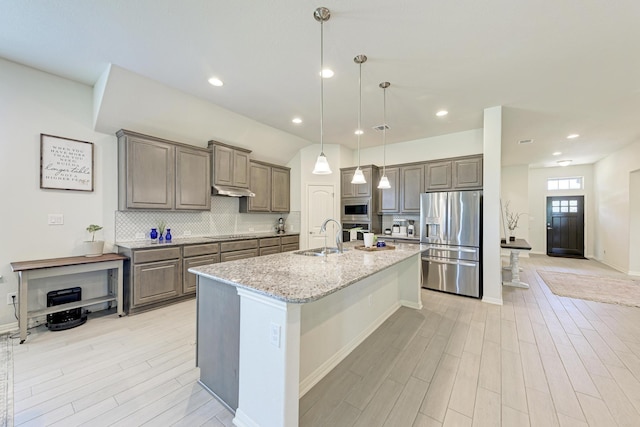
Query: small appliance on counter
(280, 227)
(411, 229)
(399, 230)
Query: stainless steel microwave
(358, 209)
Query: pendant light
(358, 176)
(321, 15)
(384, 181)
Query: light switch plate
(55, 219)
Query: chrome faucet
(323, 229)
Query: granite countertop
(179, 241)
(299, 279)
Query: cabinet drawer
(189, 279)
(270, 241)
(232, 256)
(206, 249)
(150, 255)
(286, 240)
(270, 250)
(290, 247)
(238, 245)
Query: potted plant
(93, 247)
(512, 221)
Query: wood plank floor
(538, 360)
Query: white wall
(32, 103)
(612, 232)
(437, 147)
(515, 190)
(634, 223)
(538, 194)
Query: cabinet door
(240, 169)
(390, 198)
(222, 165)
(467, 173)
(438, 176)
(347, 189)
(411, 185)
(150, 174)
(280, 190)
(189, 279)
(290, 247)
(261, 186)
(156, 281)
(270, 250)
(193, 179)
(364, 190)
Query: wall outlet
(252, 229)
(274, 335)
(187, 233)
(140, 236)
(10, 296)
(55, 219)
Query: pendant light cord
(359, 111)
(384, 131)
(321, 88)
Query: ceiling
(572, 66)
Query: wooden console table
(39, 269)
(514, 265)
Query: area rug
(6, 381)
(593, 288)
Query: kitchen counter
(299, 279)
(391, 238)
(177, 241)
(282, 322)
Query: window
(564, 206)
(574, 183)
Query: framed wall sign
(65, 164)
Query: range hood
(224, 190)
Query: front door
(565, 226)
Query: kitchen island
(270, 328)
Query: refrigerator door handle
(455, 249)
(441, 261)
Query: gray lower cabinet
(269, 245)
(194, 256)
(155, 276)
(240, 249)
(290, 243)
(155, 173)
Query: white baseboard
(314, 377)
(633, 273)
(489, 300)
(242, 420)
(411, 304)
(9, 327)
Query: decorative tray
(375, 248)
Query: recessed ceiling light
(442, 113)
(214, 81)
(564, 162)
(327, 73)
(557, 153)
(359, 132)
(296, 120)
(572, 136)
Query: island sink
(319, 251)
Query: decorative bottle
(160, 238)
(168, 235)
(154, 235)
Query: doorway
(320, 206)
(565, 226)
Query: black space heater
(65, 319)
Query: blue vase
(168, 236)
(153, 234)
(160, 238)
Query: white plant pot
(93, 248)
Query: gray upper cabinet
(193, 192)
(467, 173)
(230, 165)
(280, 189)
(438, 176)
(411, 185)
(155, 173)
(390, 198)
(272, 188)
(349, 190)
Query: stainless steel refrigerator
(451, 226)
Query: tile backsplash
(223, 218)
